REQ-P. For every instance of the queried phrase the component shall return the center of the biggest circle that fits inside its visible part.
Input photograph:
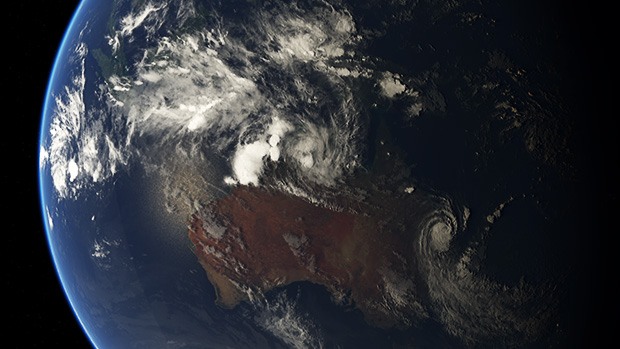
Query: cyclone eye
(441, 235)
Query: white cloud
(441, 234)
(283, 320)
(194, 91)
(66, 123)
(185, 92)
(134, 20)
(50, 222)
(43, 157)
(391, 86)
(230, 181)
(415, 109)
(466, 215)
(495, 215)
(296, 243)
(398, 289)
(186, 86)
(73, 170)
(274, 151)
(322, 152)
(350, 72)
(276, 132)
(150, 17)
(151, 76)
(278, 128)
(248, 162)
(309, 38)
(75, 147)
(99, 250)
(459, 292)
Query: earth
(312, 174)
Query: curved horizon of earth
(309, 174)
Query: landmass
(256, 240)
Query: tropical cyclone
(255, 240)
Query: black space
(38, 314)
(584, 39)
